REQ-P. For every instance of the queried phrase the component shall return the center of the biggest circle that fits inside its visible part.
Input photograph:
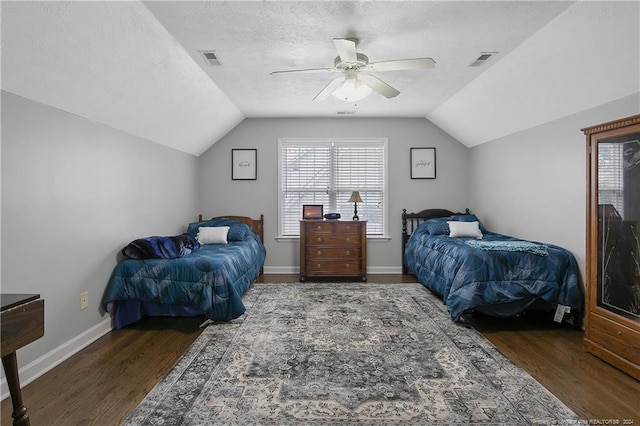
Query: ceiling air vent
(484, 57)
(210, 57)
(345, 112)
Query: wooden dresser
(333, 248)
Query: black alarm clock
(332, 216)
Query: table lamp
(355, 199)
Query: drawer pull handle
(319, 266)
(348, 239)
(619, 333)
(319, 227)
(348, 252)
(319, 252)
(319, 239)
(348, 266)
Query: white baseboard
(373, 270)
(370, 270)
(48, 361)
(281, 270)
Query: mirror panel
(618, 180)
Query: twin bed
(179, 276)
(495, 274)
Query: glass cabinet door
(618, 229)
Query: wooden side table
(21, 322)
(333, 248)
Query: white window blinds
(326, 171)
(611, 175)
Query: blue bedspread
(212, 278)
(469, 277)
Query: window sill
(378, 238)
(287, 238)
(372, 238)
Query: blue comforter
(475, 275)
(213, 278)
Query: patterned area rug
(347, 353)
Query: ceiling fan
(356, 83)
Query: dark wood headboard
(410, 222)
(257, 225)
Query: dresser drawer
(333, 240)
(340, 268)
(616, 337)
(327, 253)
(346, 227)
(331, 227)
(319, 228)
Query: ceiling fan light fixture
(352, 90)
(356, 87)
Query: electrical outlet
(84, 300)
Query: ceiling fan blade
(379, 86)
(346, 49)
(329, 89)
(401, 64)
(308, 70)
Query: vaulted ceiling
(138, 66)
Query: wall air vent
(210, 57)
(484, 57)
(345, 112)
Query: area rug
(346, 353)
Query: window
(611, 175)
(325, 171)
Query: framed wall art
(423, 163)
(243, 164)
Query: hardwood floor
(105, 381)
(553, 355)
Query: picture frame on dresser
(423, 163)
(312, 211)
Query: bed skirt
(126, 312)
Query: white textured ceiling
(587, 56)
(113, 63)
(135, 66)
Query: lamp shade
(352, 90)
(355, 197)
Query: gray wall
(73, 194)
(220, 195)
(532, 184)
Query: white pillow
(464, 229)
(213, 234)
